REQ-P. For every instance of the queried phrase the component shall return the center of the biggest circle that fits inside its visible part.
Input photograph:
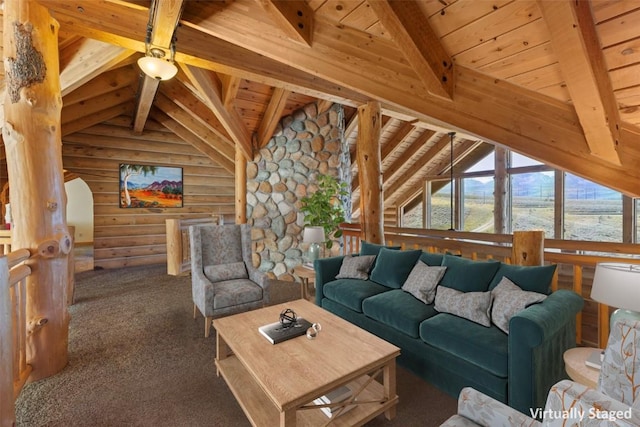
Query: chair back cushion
(221, 244)
(620, 372)
(222, 272)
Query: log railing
(576, 262)
(14, 369)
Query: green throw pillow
(367, 248)
(393, 266)
(528, 278)
(467, 275)
(431, 258)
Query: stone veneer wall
(304, 145)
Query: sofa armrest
(326, 271)
(538, 337)
(485, 411)
(570, 403)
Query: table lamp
(313, 235)
(618, 285)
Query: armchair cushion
(222, 272)
(235, 292)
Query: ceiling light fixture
(155, 64)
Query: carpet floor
(138, 358)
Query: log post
(369, 172)
(241, 187)
(33, 147)
(500, 191)
(527, 248)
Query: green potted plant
(324, 208)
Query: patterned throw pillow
(474, 306)
(422, 281)
(356, 267)
(222, 272)
(508, 300)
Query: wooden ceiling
(557, 80)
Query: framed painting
(145, 186)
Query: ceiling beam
(409, 27)
(576, 45)
(407, 157)
(126, 108)
(293, 17)
(104, 83)
(209, 88)
(163, 24)
(272, 116)
(230, 87)
(86, 59)
(193, 139)
(102, 102)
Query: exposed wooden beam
(272, 116)
(230, 86)
(146, 95)
(392, 144)
(409, 27)
(95, 118)
(575, 43)
(324, 105)
(104, 83)
(96, 104)
(185, 98)
(209, 88)
(406, 158)
(164, 20)
(193, 139)
(293, 17)
(86, 59)
(195, 127)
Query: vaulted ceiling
(558, 81)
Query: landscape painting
(144, 186)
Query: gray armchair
(616, 402)
(223, 279)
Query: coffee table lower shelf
(262, 412)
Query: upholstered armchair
(223, 279)
(616, 401)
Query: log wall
(137, 236)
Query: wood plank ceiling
(558, 81)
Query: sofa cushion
(422, 281)
(467, 275)
(230, 271)
(528, 278)
(367, 248)
(351, 292)
(398, 310)
(393, 267)
(474, 306)
(356, 267)
(508, 300)
(431, 258)
(480, 346)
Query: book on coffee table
(277, 333)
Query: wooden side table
(574, 363)
(307, 277)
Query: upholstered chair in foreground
(616, 402)
(223, 279)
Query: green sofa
(452, 352)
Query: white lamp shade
(617, 285)
(157, 68)
(313, 235)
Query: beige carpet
(137, 358)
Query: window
(592, 212)
(478, 204)
(412, 214)
(532, 202)
(441, 205)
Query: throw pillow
(422, 281)
(222, 272)
(431, 258)
(393, 267)
(467, 275)
(355, 267)
(529, 278)
(508, 300)
(367, 248)
(474, 306)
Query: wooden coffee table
(276, 384)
